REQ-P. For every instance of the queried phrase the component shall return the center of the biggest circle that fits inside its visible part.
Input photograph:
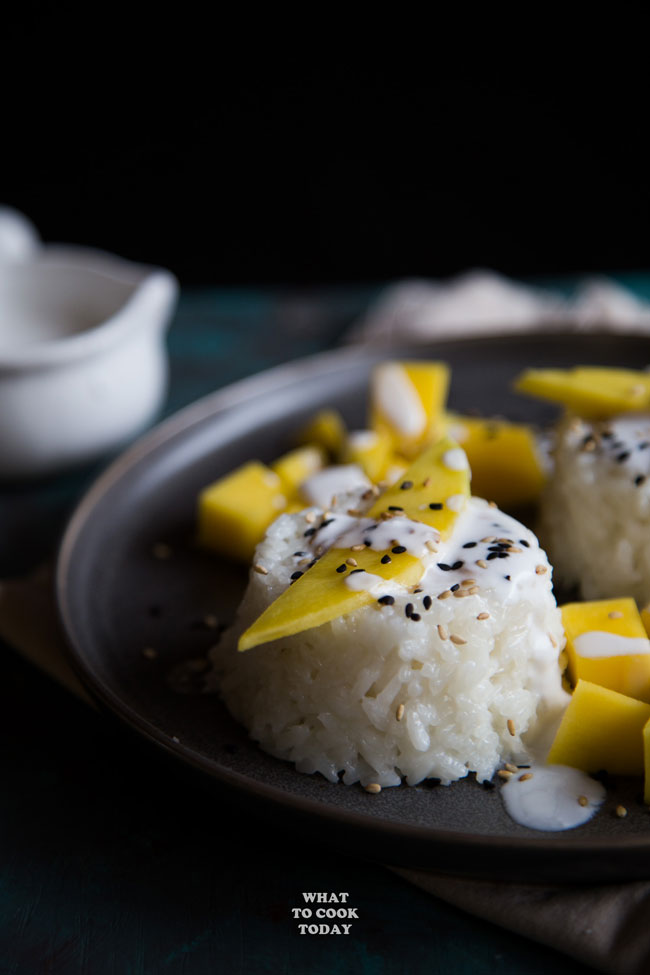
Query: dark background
(265, 175)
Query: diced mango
(589, 391)
(235, 511)
(504, 459)
(293, 468)
(645, 618)
(326, 429)
(607, 644)
(433, 491)
(371, 450)
(601, 729)
(407, 400)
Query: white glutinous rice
(595, 512)
(391, 692)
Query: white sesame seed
(540, 569)
(443, 632)
(458, 640)
(621, 812)
(399, 714)
(260, 569)
(511, 727)
(483, 616)
(373, 788)
(615, 615)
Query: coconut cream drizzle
(596, 644)
(396, 398)
(552, 797)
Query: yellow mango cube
(407, 400)
(296, 466)
(371, 450)
(601, 729)
(326, 429)
(503, 457)
(235, 511)
(589, 391)
(607, 644)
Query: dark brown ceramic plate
(116, 599)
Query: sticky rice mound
(595, 512)
(391, 693)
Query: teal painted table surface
(115, 862)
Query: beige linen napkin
(604, 926)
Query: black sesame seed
(639, 480)
(398, 549)
(502, 555)
(522, 541)
(310, 531)
(357, 570)
(415, 617)
(312, 563)
(341, 568)
(367, 542)
(372, 527)
(507, 578)
(417, 590)
(444, 566)
(406, 485)
(455, 588)
(324, 524)
(296, 575)
(469, 545)
(606, 434)
(493, 555)
(643, 445)
(621, 457)
(488, 785)
(436, 506)
(298, 554)
(588, 439)
(408, 609)
(426, 602)
(385, 559)
(395, 507)
(458, 565)
(386, 600)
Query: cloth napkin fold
(606, 926)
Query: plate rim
(205, 408)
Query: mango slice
(235, 511)
(590, 391)
(601, 729)
(407, 400)
(607, 644)
(504, 459)
(371, 450)
(326, 429)
(293, 468)
(433, 491)
(323, 594)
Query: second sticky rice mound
(427, 687)
(595, 512)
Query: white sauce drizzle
(455, 502)
(363, 439)
(455, 459)
(397, 400)
(596, 644)
(366, 582)
(549, 800)
(384, 535)
(321, 487)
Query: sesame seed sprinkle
(406, 485)
(426, 602)
(386, 600)
(583, 801)
(511, 727)
(445, 594)
(443, 632)
(540, 569)
(483, 616)
(621, 812)
(358, 548)
(615, 615)
(525, 777)
(399, 714)
(373, 788)
(504, 773)
(341, 568)
(458, 640)
(260, 569)
(482, 564)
